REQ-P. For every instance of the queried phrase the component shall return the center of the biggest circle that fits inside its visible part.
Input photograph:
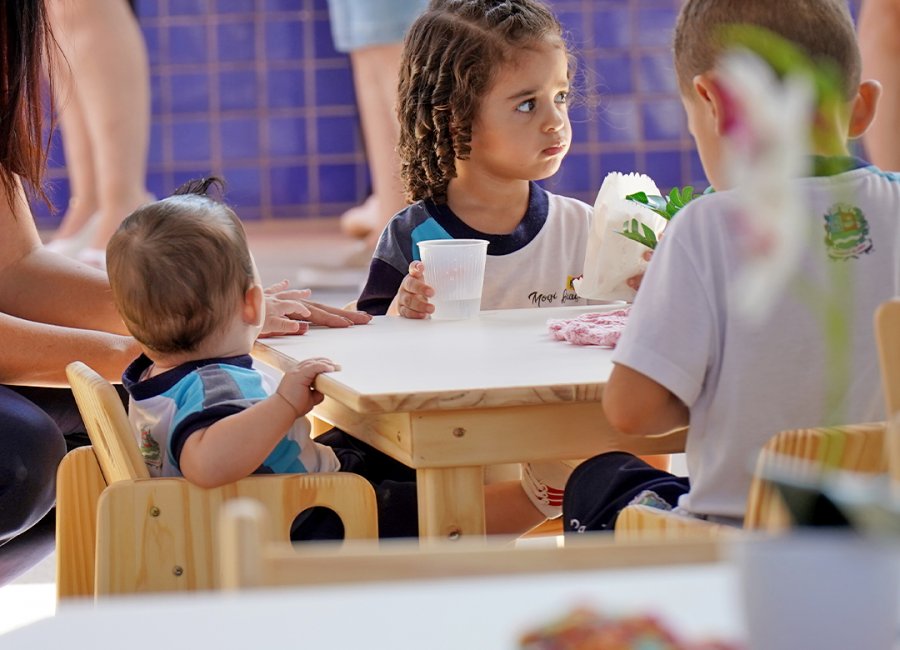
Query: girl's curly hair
(450, 56)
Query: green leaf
(639, 232)
(638, 197)
(649, 235)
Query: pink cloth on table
(601, 329)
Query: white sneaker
(545, 483)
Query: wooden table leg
(451, 502)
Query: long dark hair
(25, 45)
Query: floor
(311, 253)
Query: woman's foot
(112, 215)
(362, 220)
(94, 257)
(70, 244)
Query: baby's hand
(296, 387)
(635, 281)
(412, 298)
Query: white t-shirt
(533, 266)
(744, 383)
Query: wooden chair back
(120, 531)
(853, 448)
(251, 559)
(107, 425)
(176, 525)
(887, 335)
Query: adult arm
(289, 311)
(879, 42)
(52, 310)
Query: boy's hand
(635, 281)
(289, 312)
(296, 387)
(412, 298)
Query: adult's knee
(31, 448)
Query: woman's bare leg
(375, 78)
(105, 49)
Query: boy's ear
(253, 311)
(708, 92)
(863, 108)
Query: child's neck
(235, 340)
(165, 362)
(488, 205)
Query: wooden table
(451, 397)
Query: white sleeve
(671, 335)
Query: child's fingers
(635, 281)
(307, 371)
(320, 364)
(414, 305)
(416, 285)
(417, 269)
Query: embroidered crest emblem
(846, 232)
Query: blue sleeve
(390, 263)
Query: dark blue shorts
(395, 492)
(600, 487)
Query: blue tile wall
(254, 90)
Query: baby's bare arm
(235, 446)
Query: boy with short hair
(687, 357)
(188, 290)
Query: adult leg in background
(107, 78)
(372, 31)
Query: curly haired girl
(483, 107)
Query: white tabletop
(696, 601)
(500, 358)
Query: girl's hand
(412, 298)
(297, 385)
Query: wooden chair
(857, 448)
(120, 531)
(887, 335)
(251, 559)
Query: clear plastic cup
(454, 268)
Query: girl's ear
(862, 110)
(714, 102)
(253, 311)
